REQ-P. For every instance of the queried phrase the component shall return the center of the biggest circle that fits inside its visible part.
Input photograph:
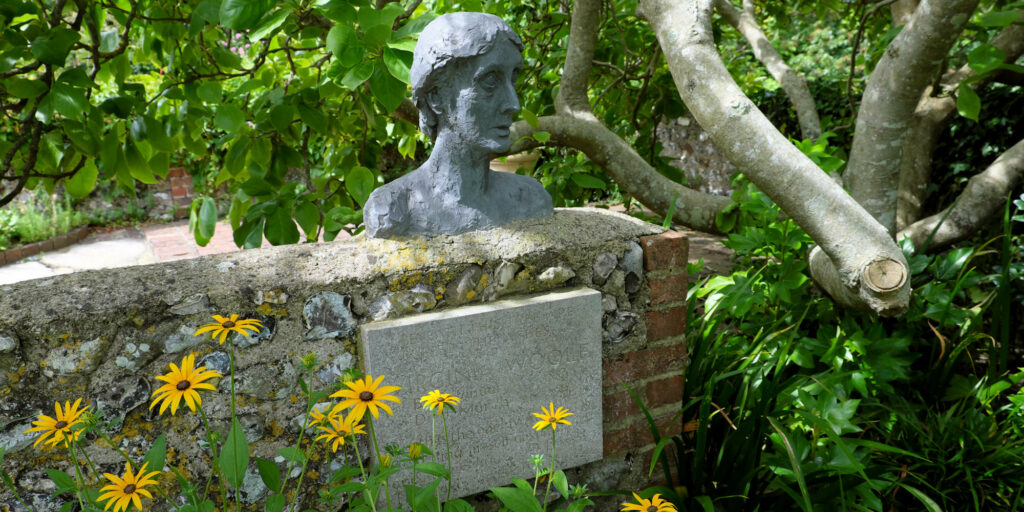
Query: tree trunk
(892, 94)
(984, 196)
(902, 11)
(860, 267)
(572, 98)
(792, 82)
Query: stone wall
(103, 335)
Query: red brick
(664, 391)
(648, 362)
(638, 434)
(179, 191)
(13, 254)
(176, 172)
(47, 245)
(665, 251)
(619, 405)
(669, 289)
(666, 323)
(3, 257)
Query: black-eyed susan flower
(127, 488)
(415, 451)
(58, 429)
(336, 430)
(366, 394)
(183, 383)
(223, 325)
(317, 417)
(438, 400)
(549, 417)
(655, 504)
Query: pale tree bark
(636, 177)
(985, 196)
(572, 99)
(858, 264)
(887, 107)
(792, 83)
(902, 10)
(931, 117)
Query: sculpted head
(463, 79)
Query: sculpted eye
(489, 81)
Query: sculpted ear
(435, 102)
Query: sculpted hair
(446, 41)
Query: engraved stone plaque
(505, 360)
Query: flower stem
(433, 435)
(14, 490)
(298, 444)
(213, 449)
(448, 451)
(551, 473)
(70, 442)
(359, 459)
(231, 345)
(95, 474)
(373, 436)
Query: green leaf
(120, 106)
(243, 14)
(77, 77)
(308, 217)
(157, 454)
(376, 23)
(530, 118)
(341, 216)
(275, 503)
(398, 63)
(542, 137)
(69, 101)
(255, 186)
(314, 118)
(207, 217)
(999, 19)
(967, 102)
(24, 87)
(985, 58)
(63, 481)
(229, 118)
(357, 75)
(270, 24)
(588, 181)
(388, 89)
(339, 37)
(353, 486)
(234, 161)
(83, 181)
(281, 230)
(210, 92)
(458, 505)
(923, 498)
(193, 222)
(560, 483)
(53, 45)
(270, 474)
(83, 138)
(234, 455)
(517, 500)
(432, 468)
(250, 234)
(359, 183)
(138, 167)
(282, 116)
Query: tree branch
(981, 200)
(902, 11)
(892, 94)
(628, 169)
(572, 99)
(858, 264)
(792, 82)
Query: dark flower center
(366, 396)
(183, 385)
(60, 424)
(227, 324)
(652, 508)
(130, 488)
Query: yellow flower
(183, 383)
(319, 418)
(338, 429)
(415, 451)
(385, 461)
(224, 325)
(655, 504)
(549, 417)
(366, 394)
(438, 399)
(59, 427)
(127, 488)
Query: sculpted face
(480, 104)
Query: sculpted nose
(510, 101)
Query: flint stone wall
(103, 335)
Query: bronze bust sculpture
(463, 83)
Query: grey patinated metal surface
(505, 360)
(463, 83)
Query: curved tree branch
(931, 117)
(864, 268)
(792, 83)
(692, 208)
(572, 99)
(982, 199)
(902, 11)
(892, 94)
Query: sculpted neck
(458, 169)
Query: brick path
(173, 241)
